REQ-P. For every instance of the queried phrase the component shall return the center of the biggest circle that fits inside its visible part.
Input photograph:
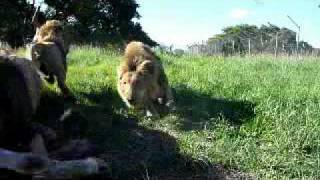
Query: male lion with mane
(142, 82)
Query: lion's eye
(124, 82)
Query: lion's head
(52, 28)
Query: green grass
(256, 115)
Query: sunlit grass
(259, 115)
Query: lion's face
(132, 87)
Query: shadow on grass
(132, 151)
(199, 110)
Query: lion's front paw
(152, 115)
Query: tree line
(245, 38)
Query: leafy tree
(87, 21)
(235, 39)
(100, 20)
(305, 47)
(287, 40)
(15, 22)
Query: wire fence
(251, 46)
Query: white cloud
(239, 13)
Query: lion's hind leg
(61, 79)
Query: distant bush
(178, 52)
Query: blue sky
(183, 22)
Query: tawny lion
(49, 54)
(52, 31)
(142, 81)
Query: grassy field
(236, 117)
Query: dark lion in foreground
(142, 82)
(22, 141)
(20, 87)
